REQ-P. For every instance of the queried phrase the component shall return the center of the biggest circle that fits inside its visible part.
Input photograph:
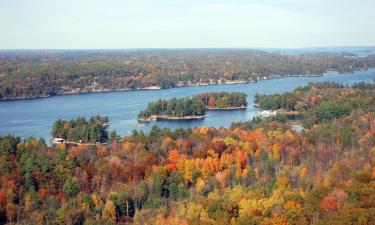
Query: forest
(194, 105)
(223, 100)
(320, 102)
(42, 73)
(174, 108)
(256, 172)
(79, 130)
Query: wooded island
(193, 107)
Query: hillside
(42, 73)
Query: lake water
(35, 117)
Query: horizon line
(189, 48)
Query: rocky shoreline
(160, 117)
(227, 108)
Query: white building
(267, 113)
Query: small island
(192, 107)
(187, 108)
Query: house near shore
(267, 113)
(297, 128)
(58, 141)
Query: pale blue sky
(79, 24)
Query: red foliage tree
(3, 198)
(211, 102)
(42, 192)
(329, 203)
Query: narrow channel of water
(35, 117)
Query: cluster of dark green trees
(277, 101)
(32, 74)
(175, 107)
(194, 105)
(82, 130)
(329, 110)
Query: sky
(114, 24)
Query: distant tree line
(31, 74)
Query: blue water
(35, 117)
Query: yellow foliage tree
(282, 182)
(96, 200)
(109, 211)
(304, 171)
(28, 203)
(195, 211)
(276, 151)
(200, 185)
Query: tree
(113, 137)
(3, 203)
(77, 130)
(109, 211)
(125, 205)
(211, 101)
(173, 158)
(176, 189)
(11, 210)
(70, 187)
(28, 203)
(329, 203)
(8, 144)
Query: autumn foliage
(259, 172)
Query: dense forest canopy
(175, 107)
(31, 74)
(223, 100)
(80, 130)
(258, 172)
(194, 105)
(321, 102)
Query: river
(35, 117)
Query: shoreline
(288, 113)
(156, 118)
(143, 89)
(227, 108)
(268, 113)
(147, 89)
(67, 142)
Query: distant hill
(42, 73)
(347, 50)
